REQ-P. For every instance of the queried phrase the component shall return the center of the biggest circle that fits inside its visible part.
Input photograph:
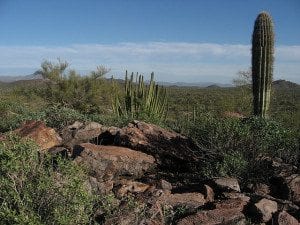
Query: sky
(178, 40)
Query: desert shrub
(14, 112)
(239, 142)
(70, 89)
(58, 116)
(32, 192)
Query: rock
(264, 209)
(172, 151)
(164, 185)
(233, 195)
(112, 162)
(287, 187)
(215, 217)
(97, 187)
(45, 137)
(78, 133)
(129, 186)
(209, 193)
(283, 218)
(260, 188)
(237, 204)
(188, 200)
(225, 184)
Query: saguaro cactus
(262, 63)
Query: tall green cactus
(141, 99)
(262, 63)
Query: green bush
(239, 142)
(32, 192)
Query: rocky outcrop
(79, 132)
(154, 167)
(172, 151)
(45, 137)
(112, 162)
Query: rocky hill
(160, 169)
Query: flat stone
(112, 162)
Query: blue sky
(180, 40)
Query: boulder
(215, 217)
(209, 193)
(174, 152)
(112, 162)
(264, 209)
(283, 218)
(79, 132)
(233, 203)
(191, 201)
(164, 185)
(225, 184)
(233, 195)
(104, 187)
(45, 137)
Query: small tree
(72, 90)
(244, 78)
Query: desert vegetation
(238, 129)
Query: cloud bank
(187, 62)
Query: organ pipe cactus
(262, 63)
(141, 99)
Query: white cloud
(190, 62)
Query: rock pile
(134, 161)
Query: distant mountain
(8, 79)
(284, 84)
(198, 84)
(213, 86)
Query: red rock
(235, 203)
(215, 217)
(189, 200)
(112, 162)
(209, 193)
(264, 209)
(226, 184)
(172, 150)
(45, 137)
(78, 133)
(164, 185)
(283, 218)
